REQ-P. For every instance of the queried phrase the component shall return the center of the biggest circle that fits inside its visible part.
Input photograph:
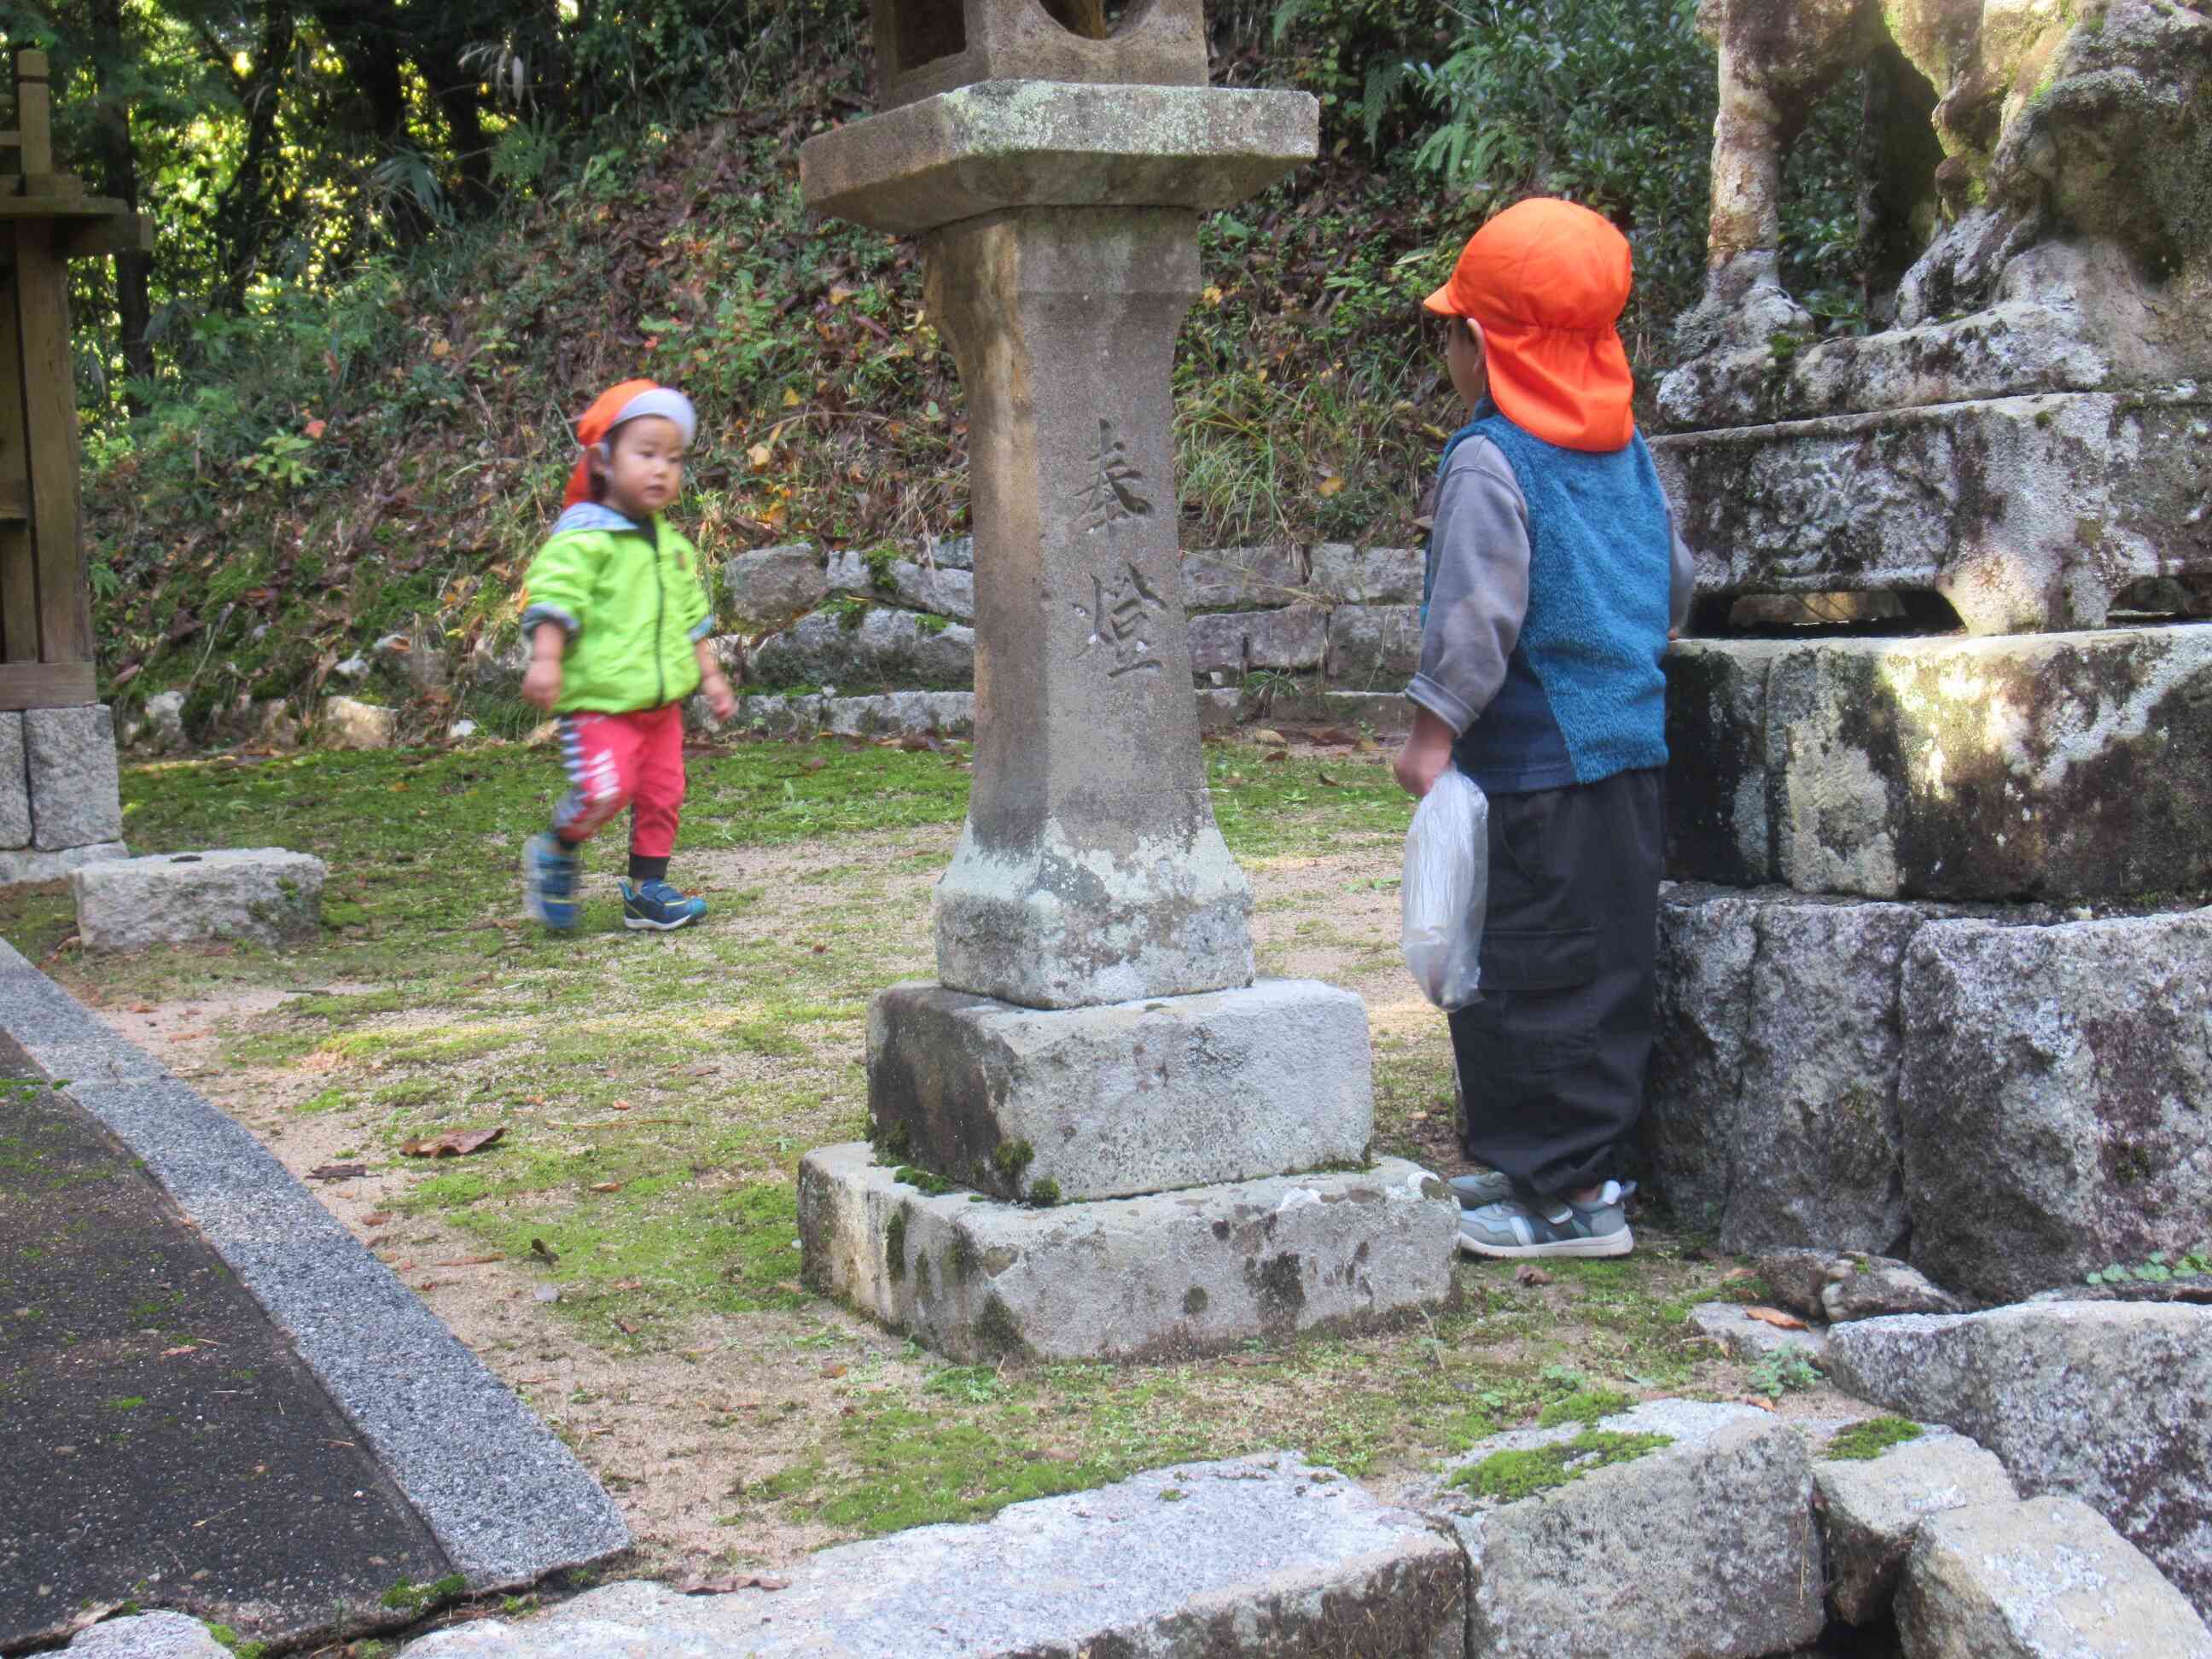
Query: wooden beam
(34, 108)
(14, 501)
(133, 233)
(19, 563)
(69, 208)
(49, 394)
(47, 684)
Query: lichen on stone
(1509, 1476)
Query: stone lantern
(1095, 1134)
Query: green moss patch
(1508, 1476)
(1863, 1441)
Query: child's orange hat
(1547, 279)
(626, 402)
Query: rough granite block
(1175, 1273)
(1265, 1555)
(15, 784)
(1126, 1098)
(265, 893)
(75, 798)
(1874, 1507)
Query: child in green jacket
(617, 622)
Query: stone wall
(1326, 618)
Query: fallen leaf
(1273, 755)
(454, 1143)
(625, 1328)
(1334, 783)
(1526, 1274)
(1329, 485)
(468, 1261)
(760, 455)
(1735, 1274)
(1267, 738)
(833, 1371)
(1758, 1400)
(544, 1251)
(620, 1106)
(839, 293)
(791, 399)
(325, 1060)
(606, 1186)
(440, 348)
(338, 1172)
(171, 1353)
(379, 1219)
(315, 428)
(1775, 1317)
(725, 1586)
(142, 1007)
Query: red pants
(613, 761)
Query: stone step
(1173, 1273)
(2009, 1091)
(2026, 513)
(267, 894)
(1265, 1555)
(2057, 766)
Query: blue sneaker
(658, 905)
(548, 882)
(1550, 1226)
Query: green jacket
(631, 601)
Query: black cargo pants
(1550, 1060)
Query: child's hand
(541, 682)
(720, 698)
(1425, 753)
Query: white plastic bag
(1447, 889)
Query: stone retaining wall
(1335, 616)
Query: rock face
(1873, 1508)
(265, 894)
(771, 587)
(889, 714)
(1243, 578)
(159, 1635)
(1374, 645)
(1772, 1127)
(1236, 641)
(2014, 1094)
(1175, 1273)
(1345, 574)
(69, 765)
(2046, 767)
(2044, 1579)
(1705, 1545)
(2102, 1401)
(1265, 1555)
(1112, 1102)
(2053, 1096)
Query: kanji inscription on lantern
(1109, 496)
(1118, 613)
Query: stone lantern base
(977, 1278)
(60, 803)
(1177, 1174)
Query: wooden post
(33, 114)
(19, 581)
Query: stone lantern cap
(1000, 144)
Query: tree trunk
(119, 168)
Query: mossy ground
(659, 1090)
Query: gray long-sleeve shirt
(1480, 597)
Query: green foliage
(1508, 1476)
(2161, 1267)
(1871, 1438)
(1584, 1406)
(1783, 1371)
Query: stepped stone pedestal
(1151, 1153)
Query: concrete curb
(504, 1499)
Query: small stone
(2047, 1578)
(1343, 575)
(771, 587)
(165, 717)
(1870, 1287)
(461, 729)
(348, 723)
(353, 668)
(1794, 1278)
(160, 1635)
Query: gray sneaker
(1553, 1226)
(1481, 1188)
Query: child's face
(644, 468)
(1463, 358)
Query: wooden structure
(46, 220)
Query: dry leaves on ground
(454, 1143)
(1775, 1317)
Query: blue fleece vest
(1583, 696)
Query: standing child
(617, 623)
(1554, 579)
